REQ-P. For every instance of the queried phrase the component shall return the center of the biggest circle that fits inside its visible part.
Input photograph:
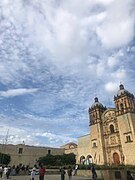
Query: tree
(58, 160)
(5, 158)
(68, 159)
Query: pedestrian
(8, 172)
(129, 176)
(17, 170)
(62, 172)
(1, 170)
(69, 171)
(94, 174)
(76, 168)
(42, 171)
(33, 173)
(13, 170)
(27, 169)
(4, 176)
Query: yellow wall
(83, 147)
(29, 155)
(126, 128)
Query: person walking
(13, 170)
(8, 172)
(62, 172)
(4, 176)
(129, 176)
(42, 171)
(76, 168)
(69, 171)
(1, 170)
(94, 174)
(33, 173)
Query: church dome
(96, 103)
(122, 91)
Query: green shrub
(5, 158)
(107, 167)
(58, 160)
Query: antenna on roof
(4, 147)
(6, 139)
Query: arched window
(121, 107)
(89, 159)
(125, 103)
(82, 159)
(112, 128)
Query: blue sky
(55, 57)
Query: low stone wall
(106, 174)
(88, 173)
(101, 174)
(52, 171)
(114, 174)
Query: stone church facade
(112, 132)
(111, 139)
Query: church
(111, 139)
(112, 132)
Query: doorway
(116, 158)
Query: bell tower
(95, 112)
(125, 114)
(96, 132)
(124, 101)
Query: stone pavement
(48, 177)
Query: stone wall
(96, 144)
(27, 155)
(126, 128)
(70, 148)
(105, 174)
(83, 147)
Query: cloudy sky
(55, 57)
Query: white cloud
(118, 28)
(133, 49)
(20, 131)
(115, 59)
(65, 32)
(56, 45)
(112, 61)
(14, 135)
(56, 137)
(105, 2)
(120, 74)
(17, 92)
(111, 87)
(100, 68)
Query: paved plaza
(48, 177)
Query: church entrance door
(116, 158)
